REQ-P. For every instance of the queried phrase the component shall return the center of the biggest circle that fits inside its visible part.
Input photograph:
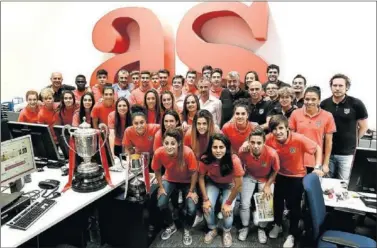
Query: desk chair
(317, 209)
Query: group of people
(216, 137)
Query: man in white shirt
(211, 103)
(177, 86)
(123, 88)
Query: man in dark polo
(273, 72)
(230, 94)
(351, 119)
(259, 107)
(57, 86)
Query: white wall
(314, 39)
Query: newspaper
(264, 208)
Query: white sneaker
(243, 233)
(198, 219)
(220, 215)
(289, 242)
(262, 237)
(274, 233)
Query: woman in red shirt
(68, 107)
(170, 120)
(167, 101)
(239, 127)
(316, 124)
(118, 121)
(224, 172)
(30, 112)
(49, 112)
(152, 104)
(181, 173)
(86, 105)
(191, 106)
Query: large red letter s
(147, 46)
(195, 52)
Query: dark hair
(314, 89)
(226, 163)
(272, 66)
(80, 75)
(136, 108)
(118, 128)
(107, 87)
(192, 72)
(299, 76)
(276, 120)
(258, 132)
(173, 113)
(157, 108)
(82, 109)
(195, 141)
(242, 102)
(145, 72)
(206, 67)
(255, 75)
(185, 112)
(177, 134)
(101, 72)
(178, 77)
(62, 107)
(164, 71)
(217, 70)
(339, 75)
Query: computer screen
(5, 133)
(58, 129)
(17, 159)
(363, 173)
(43, 143)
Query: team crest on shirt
(150, 138)
(318, 123)
(292, 150)
(347, 111)
(261, 111)
(264, 164)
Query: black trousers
(289, 189)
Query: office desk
(351, 203)
(67, 204)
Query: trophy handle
(102, 127)
(69, 128)
(126, 171)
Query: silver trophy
(89, 175)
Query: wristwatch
(318, 167)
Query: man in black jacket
(230, 94)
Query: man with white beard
(230, 94)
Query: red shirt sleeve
(330, 125)
(308, 145)
(111, 120)
(202, 168)
(95, 112)
(22, 116)
(156, 165)
(237, 166)
(192, 163)
(157, 142)
(275, 160)
(127, 137)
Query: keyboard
(31, 214)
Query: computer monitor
(363, 173)
(17, 159)
(43, 143)
(58, 129)
(5, 133)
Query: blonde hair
(46, 92)
(286, 91)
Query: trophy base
(89, 182)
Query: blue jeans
(340, 166)
(248, 186)
(213, 190)
(163, 203)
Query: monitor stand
(16, 186)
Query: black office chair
(317, 209)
